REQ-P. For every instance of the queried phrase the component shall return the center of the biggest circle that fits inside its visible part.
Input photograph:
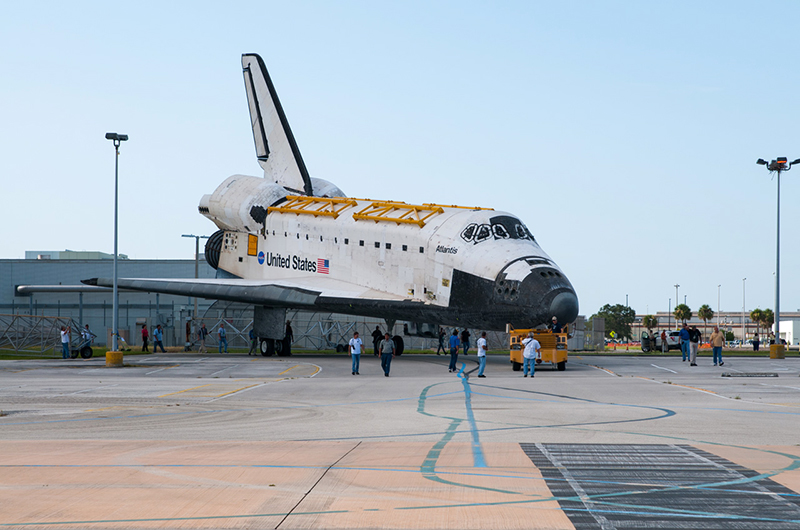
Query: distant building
(728, 321)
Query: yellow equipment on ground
(554, 348)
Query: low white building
(790, 331)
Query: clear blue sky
(624, 134)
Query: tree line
(619, 318)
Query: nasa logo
(261, 258)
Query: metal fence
(36, 334)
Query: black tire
(517, 367)
(562, 366)
(267, 347)
(339, 348)
(282, 348)
(399, 345)
(86, 352)
(73, 354)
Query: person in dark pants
(441, 341)
(253, 342)
(694, 344)
(158, 340)
(755, 342)
(387, 354)
(465, 341)
(377, 336)
(145, 334)
(454, 343)
(288, 339)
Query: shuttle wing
(297, 293)
(276, 148)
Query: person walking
(717, 342)
(145, 335)
(755, 342)
(532, 349)
(355, 352)
(387, 354)
(664, 345)
(454, 343)
(202, 334)
(465, 340)
(158, 339)
(87, 336)
(441, 347)
(694, 345)
(482, 354)
(377, 336)
(223, 338)
(253, 342)
(685, 341)
(65, 331)
(288, 338)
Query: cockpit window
(505, 226)
(500, 232)
(469, 232)
(483, 233)
(499, 227)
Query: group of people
(690, 343)
(385, 346)
(463, 342)
(66, 335)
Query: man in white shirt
(482, 354)
(64, 342)
(532, 349)
(355, 352)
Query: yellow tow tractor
(554, 347)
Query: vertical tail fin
(276, 148)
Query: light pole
(196, 261)
(744, 331)
(777, 166)
(116, 139)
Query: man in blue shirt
(158, 339)
(685, 341)
(454, 343)
(223, 338)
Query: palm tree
(768, 319)
(757, 316)
(682, 312)
(705, 313)
(650, 322)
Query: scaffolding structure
(36, 334)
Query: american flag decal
(322, 266)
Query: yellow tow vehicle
(554, 347)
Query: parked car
(673, 340)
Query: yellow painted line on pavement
(292, 368)
(186, 390)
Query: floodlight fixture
(760, 161)
(778, 165)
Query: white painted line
(154, 371)
(780, 386)
(662, 368)
(218, 371)
(90, 370)
(89, 390)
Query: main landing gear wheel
(517, 367)
(562, 366)
(399, 345)
(267, 347)
(281, 348)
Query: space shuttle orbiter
(290, 241)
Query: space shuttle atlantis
(290, 241)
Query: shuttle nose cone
(564, 307)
